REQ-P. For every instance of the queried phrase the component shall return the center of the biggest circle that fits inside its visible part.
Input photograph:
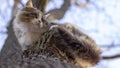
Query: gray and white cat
(28, 25)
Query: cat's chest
(26, 38)
(20, 26)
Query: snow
(100, 20)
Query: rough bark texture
(11, 51)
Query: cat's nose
(39, 21)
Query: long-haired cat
(67, 42)
(28, 25)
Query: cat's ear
(45, 16)
(29, 4)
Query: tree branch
(40, 4)
(111, 57)
(59, 13)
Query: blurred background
(100, 19)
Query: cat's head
(32, 18)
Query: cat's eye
(27, 15)
(34, 15)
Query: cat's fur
(28, 25)
(89, 54)
(67, 42)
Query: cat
(28, 25)
(67, 41)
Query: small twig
(110, 46)
(21, 3)
(81, 5)
(111, 57)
